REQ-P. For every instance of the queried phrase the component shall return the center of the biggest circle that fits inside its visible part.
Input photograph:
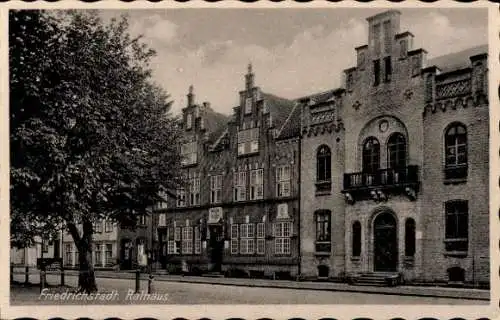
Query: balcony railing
(381, 178)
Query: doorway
(215, 247)
(385, 253)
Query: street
(196, 293)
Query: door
(126, 254)
(385, 253)
(216, 246)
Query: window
(98, 226)
(189, 121)
(256, 184)
(68, 254)
(248, 141)
(376, 72)
(45, 245)
(349, 81)
(197, 240)
(388, 69)
(403, 49)
(189, 153)
(108, 254)
(216, 189)
(261, 241)
(356, 239)
(428, 88)
(456, 152)
(98, 255)
(162, 220)
(181, 198)
(247, 235)
(141, 219)
(323, 231)
(396, 151)
(387, 36)
(283, 181)
(194, 191)
(282, 234)
(410, 237)
(457, 225)
(234, 239)
(324, 164)
(376, 39)
(248, 105)
(415, 66)
(173, 236)
(108, 226)
(371, 155)
(240, 183)
(187, 240)
(163, 203)
(361, 60)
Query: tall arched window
(356, 239)
(371, 155)
(410, 237)
(396, 151)
(456, 151)
(323, 164)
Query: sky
(294, 52)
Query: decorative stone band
(455, 103)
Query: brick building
(394, 166)
(238, 212)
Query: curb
(401, 291)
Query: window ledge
(459, 254)
(322, 253)
(248, 154)
(455, 181)
(323, 193)
(355, 259)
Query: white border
(249, 311)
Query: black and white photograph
(249, 157)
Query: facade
(238, 213)
(104, 251)
(29, 256)
(394, 165)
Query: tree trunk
(86, 277)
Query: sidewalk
(438, 292)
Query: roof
(291, 127)
(457, 60)
(279, 108)
(214, 122)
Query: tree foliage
(91, 136)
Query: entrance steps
(377, 279)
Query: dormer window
(248, 106)
(189, 121)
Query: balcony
(403, 179)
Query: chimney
(249, 78)
(190, 96)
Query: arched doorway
(385, 242)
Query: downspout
(299, 205)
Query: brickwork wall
(476, 190)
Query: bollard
(150, 284)
(137, 280)
(42, 280)
(27, 275)
(62, 277)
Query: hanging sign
(215, 215)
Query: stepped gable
(457, 60)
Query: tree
(91, 136)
